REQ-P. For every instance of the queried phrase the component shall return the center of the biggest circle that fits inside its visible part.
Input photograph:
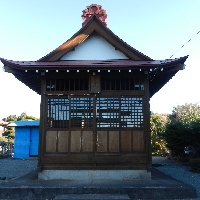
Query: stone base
(92, 196)
(99, 175)
(161, 186)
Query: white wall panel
(94, 47)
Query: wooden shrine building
(95, 91)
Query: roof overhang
(159, 72)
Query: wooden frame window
(58, 113)
(122, 83)
(70, 84)
(131, 112)
(119, 112)
(79, 112)
(108, 112)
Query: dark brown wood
(126, 141)
(147, 134)
(51, 141)
(63, 141)
(92, 142)
(102, 141)
(42, 123)
(95, 84)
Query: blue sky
(157, 28)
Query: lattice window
(116, 112)
(58, 113)
(71, 84)
(131, 112)
(110, 112)
(107, 112)
(122, 84)
(81, 112)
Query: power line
(152, 74)
(185, 44)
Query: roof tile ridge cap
(3, 60)
(180, 58)
(167, 61)
(94, 16)
(77, 33)
(16, 63)
(185, 57)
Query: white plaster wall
(94, 48)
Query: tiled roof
(88, 64)
(170, 67)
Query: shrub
(195, 165)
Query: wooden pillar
(147, 123)
(42, 121)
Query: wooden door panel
(138, 141)
(113, 141)
(63, 140)
(51, 138)
(126, 141)
(75, 141)
(87, 141)
(102, 142)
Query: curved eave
(158, 81)
(95, 64)
(29, 72)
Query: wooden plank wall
(83, 141)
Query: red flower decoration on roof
(94, 9)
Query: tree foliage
(8, 135)
(9, 132)
(188, 113)
(25, 117)
(11, 118)
(157, 126)
(183, 129)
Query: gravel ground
(12, 167)
(179, 171)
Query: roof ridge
(84, 28)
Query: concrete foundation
(99, 175)
(161, 186)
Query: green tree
(188, 113)
(11, 118)
(3, 139)
(177, 136)
(22, 117)
(183, 129)
(25, 117)
(157, 126)
(9, 134)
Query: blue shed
(26, 138)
